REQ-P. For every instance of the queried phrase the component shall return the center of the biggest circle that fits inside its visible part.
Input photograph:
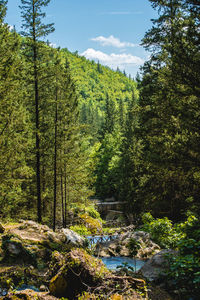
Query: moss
(116, 297)
(57, 261)
(58, 285)
(14, 249)
(88, 296)
(11, 276)
(78, 271)
(80, 258)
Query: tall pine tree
(34, 30)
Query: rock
(120, 245)
(85, 277)
(57, 262)
(28, 295)
(2, 229)
(80, 270)
(12, 276)
(124, 251)
(73, 238)
(111, 252)
(43, 288)
(59, 285)
(156, 265)
(14, 249)
(30, 242)
(102, 253)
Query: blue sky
(106, 30)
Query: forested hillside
(96, 83)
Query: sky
(108, 31)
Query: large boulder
(72, 238)
(157, 265)
(79, 270)
(34, 243)
(82, 274)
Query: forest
(73, 130)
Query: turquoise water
(113, 262)
(29, 287)
(4, 292)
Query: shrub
(133, 246)
(92, 212)
(94, 225)
(161, 230)
(184, 269)
(81, 229)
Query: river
(112, 262)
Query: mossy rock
(15, 250)
(28, 295)
(80, 270)
(56, 263)
(59, 285)
(30, 242)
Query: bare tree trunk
(55, 162)
(37, 138)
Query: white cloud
(11, 27)
(52, 45)
(113, 60)
(112, 41)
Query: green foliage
(184, 269)
(109, 230)
(162, 231)
(88, 219)
(81, 229)
(107, 167)
(160, 156)
(88, 208)
(133, 246)
(94, 225)
(92, 212)
(38, 122)
(15, 137)
(100, 90)
(126, 266)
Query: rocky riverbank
(120, 246)
(56, 264)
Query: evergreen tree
(130, 162)
(14, 126)
(110, 115)
(168, 120)
(34, 30)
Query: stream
(112, 262)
